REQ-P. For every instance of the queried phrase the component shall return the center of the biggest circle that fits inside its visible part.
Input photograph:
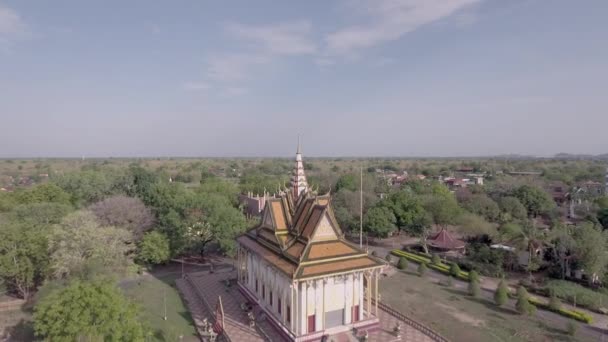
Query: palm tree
(526, 236)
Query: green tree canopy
(512, 209)
(42, 193)
(85, 312)
(379, 221)
(482, 205)
(79, 240)
(154, 248)
(536, 200)
(590, 250)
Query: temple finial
(298, 151)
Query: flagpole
(361, 209)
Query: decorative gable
(325, 230)
(267, 219)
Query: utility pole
(361, 209)
(165, 302)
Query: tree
(590, 250)
(482, 205)
(523, 305)
(43, 193)
(536, 200)
(379, 221)
(88, 186)
(512, 209)
(501, 296)
(454, 270)
(402, 263)
(154, 248)
(408, 211)
(124, 212)
(475, 225)
(348, 181)
(554, 302)
(526, 237)
(87, 311)
(602, 217)
(23, 258)
(422, 268)
(79, 240)
(473, 288)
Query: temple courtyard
(200, 291)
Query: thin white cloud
(290, 38)
(196, 86)
(389, 20)
(11, 25)
(233, 67)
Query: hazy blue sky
(242, 78)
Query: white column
(302, 310)
(318, 288)
(348, 298)
(376, 276)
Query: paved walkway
(213, 285)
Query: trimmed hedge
(577, 315)
(441, 267)
(463, 275)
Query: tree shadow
(492, 306)
(22, 331)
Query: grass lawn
(462, 318)
(149, 292)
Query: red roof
(444, 240)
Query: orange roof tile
(279, 215)
(315, 216)
(334, 266)
(281, 263)
(329, 250)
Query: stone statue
(397, 330)
(205, 325)
(251, 319)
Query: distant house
(559, 192)
(253, 205)
(465, 169)
(592, 188)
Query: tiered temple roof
(300, 235)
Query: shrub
(374, 253)
(435, 260)
(571, 328)
(402, 263)
(388, 258)
(554, 303)
(523, 306)
(422, 269)
(474, 289)
(502, 294)
(454, 270)
(473, 276)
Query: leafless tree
(125, 212)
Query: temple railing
(409, 321)
(224, 335)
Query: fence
(419, 326)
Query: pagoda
(299, 269)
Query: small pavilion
(445, 242)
